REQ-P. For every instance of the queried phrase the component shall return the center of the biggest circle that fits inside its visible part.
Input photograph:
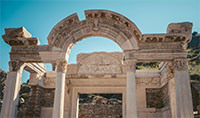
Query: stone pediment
(99, 63)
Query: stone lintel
(154, 55)
(37, 53)
(143, 77)
(34, 49)
(139, 74)
(150, 81)
(38, 56)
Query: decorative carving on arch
(98, 23)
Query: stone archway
(97, 23)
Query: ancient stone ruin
(146, 93)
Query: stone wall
(38, 97)
(100, 106)
(154, 112)
(195, 87)
(157, 97)
(100, 111)
(31, 108)
(47, 97)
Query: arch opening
(101, 23)
(91, 45)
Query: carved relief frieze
(158, 38)
(99, 58)
(108, 18)
(114, 21)
(99, 63)
(66, 25)
(21, 41)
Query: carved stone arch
(102, 23)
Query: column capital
(15, 65)
(180, 64)
(61, 66)
(130, 65)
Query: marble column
(58, 107)
(183, 107)
(67, 99)
(131, 106)
(12, 88)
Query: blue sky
(39, 17)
